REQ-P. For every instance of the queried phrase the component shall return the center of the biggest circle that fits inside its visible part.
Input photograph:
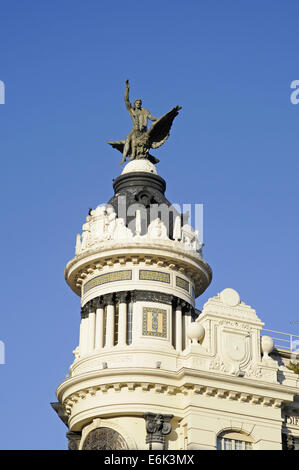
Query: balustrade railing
(284, 341)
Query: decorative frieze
(125, 275)
(152, 296)
(138, 296)
(182, 283)
(149, 275)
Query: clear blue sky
(234, 148)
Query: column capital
(109, 299)
(91, 305)
(84, 311)
(186, 308)
(74, 438)
(157, 427)
(122, 296)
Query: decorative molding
(152, 296)
(96, 258)
(186, 389)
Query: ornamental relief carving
(102, 225)
(235, 347)
(217, 364)
(237, 324)
(253, 370)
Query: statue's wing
(159, 130)
(119, 145)
(152, 159)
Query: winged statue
(140, 140)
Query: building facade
(150, 370)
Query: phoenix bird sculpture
(140, 140)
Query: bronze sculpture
(141, 139)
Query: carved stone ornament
(152, 296)
(73, 440)
(190, 237)
(253, 370)
(217, 364)
(157, 427)
(104, 439)
(102, 224)
(157, 229)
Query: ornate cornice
(184, 380)
(165, 253)
(187, 390)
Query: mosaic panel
(154, 322)
(105, 278)
(182, 283)
(147, 275)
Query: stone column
(135, 316)
(99, 336)
(187, 321)
(110, 321)
(122, 318)
(83, 332)
(178, 327)
(157, 427)
(91, 326)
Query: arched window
(233, 440)
(104, 439)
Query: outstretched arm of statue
(128, 104)
(152, 118)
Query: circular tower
(138, 269)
